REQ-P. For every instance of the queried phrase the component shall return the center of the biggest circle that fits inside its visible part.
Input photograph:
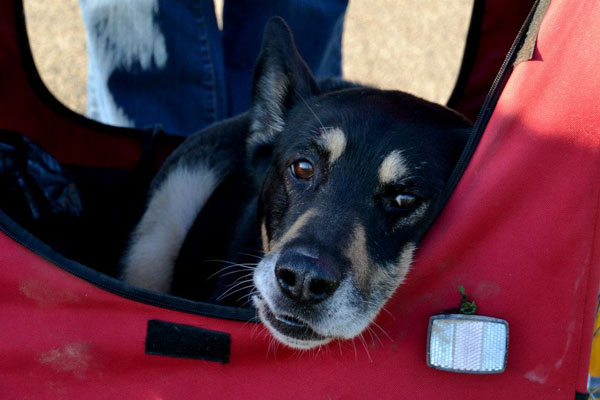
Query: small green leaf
(466, 307)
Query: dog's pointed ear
(281, 78)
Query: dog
(330, 182)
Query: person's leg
(154, 62)
(317, 26)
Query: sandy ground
(412, 45)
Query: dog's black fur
(326, 186)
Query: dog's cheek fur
(368, 259)
(386, 278)
(263, 277)
(273, 203)
(358, 257)
(353, 308)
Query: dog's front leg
(179, 191)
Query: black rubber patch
(185, 341)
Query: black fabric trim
(470, 53)
(115, 286)
(184, 341)
(483, 118)
(581, 396)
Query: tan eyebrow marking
(332, 140)
(392, 168)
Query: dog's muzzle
(292, 285)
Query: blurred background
(410, 45)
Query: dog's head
(347, 178)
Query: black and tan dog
(333, 182)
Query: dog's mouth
(288, 329)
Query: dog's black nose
(306, 279)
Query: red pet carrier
(519, 232)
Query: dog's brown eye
(302, 169)
(405, 201)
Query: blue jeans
(165, 62)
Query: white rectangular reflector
(467, 343)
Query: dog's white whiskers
(272, 347)
(236, 284)
(249, 297)
(230, 291)
(227, 262)
(374, 334)
(258, 329)
(295, 355)
(271, 339)
(276, 344)
(375, 324)
(370, 332)
(312, 111)
(227, 293)
(382, 308)
(257, 256)
(317, 351)
(245, 303)
(254, 332)
(244, 265)
(246, 276)
(364, 343)
(238, 290)
(251, 269)
(230, 266)
(246, 323)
